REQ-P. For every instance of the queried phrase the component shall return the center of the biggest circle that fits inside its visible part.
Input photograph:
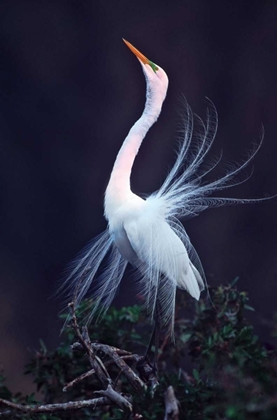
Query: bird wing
(165, 261)
(157, 246)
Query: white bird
(147, 232)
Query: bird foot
(148, 373)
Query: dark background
(69, 92)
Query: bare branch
(78, 379)
(132, 377)
(171, 405)
(109, 396)
(85, 342)
(115, 397)
(5, 413)
(51, 408)
(131, 357)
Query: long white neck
(119, 184)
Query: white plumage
(147, 233)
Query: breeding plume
(147, 232)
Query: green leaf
(233, 282)
(196, 375)
(249, 308)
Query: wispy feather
(147, 232)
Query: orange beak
(137, 53)
(140, 56)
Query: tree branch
(109, 395)
(171, 405)
(51, 408)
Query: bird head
(156, 77)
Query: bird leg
(154, 339)
(147, 369)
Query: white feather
(148, 233)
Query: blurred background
(69, 92)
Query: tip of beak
(137, 53)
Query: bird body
(147, 232)
(138, 227)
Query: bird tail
(97, 271)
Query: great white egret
(147, 232)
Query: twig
(78, 379)
(102, 376)
(171, 405)
(132, 357)
(132, 377)
(5, 413)
(96, 363)
(115, 397)
(51, 408)
(109, 395)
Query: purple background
(69, 92)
